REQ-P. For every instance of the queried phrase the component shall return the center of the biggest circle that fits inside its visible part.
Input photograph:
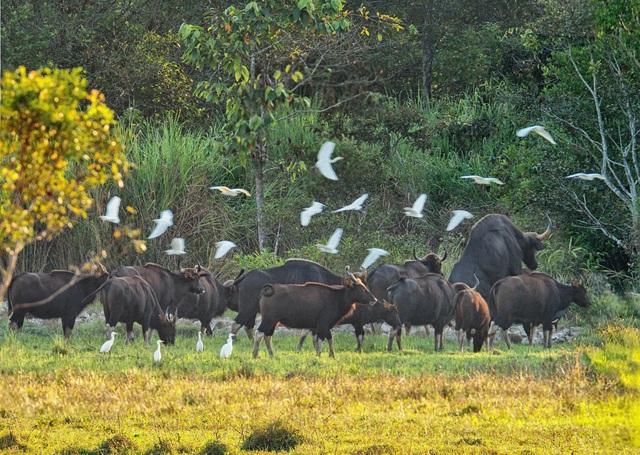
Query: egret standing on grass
(162, 224)
(415, 210)
(107, 344)
(199, 344)
(324, 160)
(225, 351)
(332, 245)
(157, 355)
(113, 206)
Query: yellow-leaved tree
(56, 144)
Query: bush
(274, 437)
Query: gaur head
(192, 276)
(533, 244)
(580, 296)
(431, 261)
(167, 328)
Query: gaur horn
(477, 282)
(444, 256)
(415, 256)
(545, 235)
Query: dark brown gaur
(496, 249)
(471, 315)
(314, 306)
(131, 299)
(60, 294)
(532, 298)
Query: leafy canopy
(255, 52)
(56, 144)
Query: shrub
(214, 448)
(118, 444)
(274, 437)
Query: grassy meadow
(64, 397)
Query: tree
(56, 145)
(597, 94)
(257, 61)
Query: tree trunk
(429, 37)
(260, 158)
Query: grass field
(59, 396)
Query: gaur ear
(162, 317)
(575, 283)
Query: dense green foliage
(490, 70)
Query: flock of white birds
(324, 165)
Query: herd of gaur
(487, 290)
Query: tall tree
(56, 144)
(257, 61)
(596, 93)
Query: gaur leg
(397, 335)
(532, 332)
(267, 342)
(505, 335)
(249, 332)
(359, 339)
(17, 320)
(67, 326)
(461, 335)
(130, 336)
(109, 328)
(315, 341)
(235, 327)
(332, 354)
(303, 336)
(256, 344)
(492, 334)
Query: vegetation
(411, 114)
(65, 397)
(57, 145)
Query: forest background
(415, 95)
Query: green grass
(63, 396)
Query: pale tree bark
(615, 152)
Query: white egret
(522, 132)
(416, 210)
(583, 176)
(227, 348)
(458, 217)
(355, 205)
(199, 344)
(374, 254)
(162, 224)
(230, 191)
(223, 247)
(332, 245)
(107, 344)
(177, 246)
(113, 206)
(324, 160)
(157, 355)
(307, 213)
(483, 180)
